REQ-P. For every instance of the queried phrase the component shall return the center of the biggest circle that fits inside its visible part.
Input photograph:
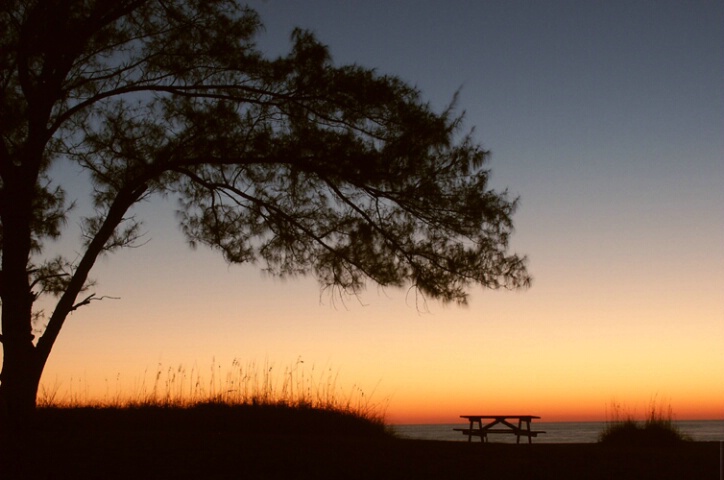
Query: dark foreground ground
(218, 450)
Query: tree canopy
(297, 163)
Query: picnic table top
(499, 416)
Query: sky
(605, 118)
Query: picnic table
(477, 429)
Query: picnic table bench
(477, 429)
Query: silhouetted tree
(311, 168)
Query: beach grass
(247, 399)
(657, 429)
(178, 388)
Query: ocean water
(556, 432)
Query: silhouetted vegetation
(248, 399)
(657, 430)
(241, 385)
(278, 419)
(296, 163)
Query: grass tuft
(247, 399)
(657, 430)
(216, 418)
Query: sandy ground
(160, 454)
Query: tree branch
(92, 297)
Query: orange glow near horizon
(429, 406)
(557, 412)
(417, 369)
(552, 351)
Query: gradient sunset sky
(606, 118)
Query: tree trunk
(19, 379)
(24, 360)
(20, 375)
(21, 370)
(19, 389)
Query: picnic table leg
(530, 437)
(520, 424)
(483, 436)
